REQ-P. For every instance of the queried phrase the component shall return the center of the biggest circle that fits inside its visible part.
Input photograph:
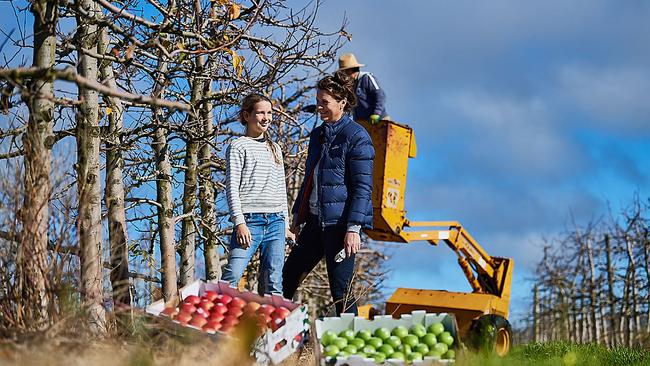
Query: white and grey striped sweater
(254, 182)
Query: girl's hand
(243, 236)
(352, 243)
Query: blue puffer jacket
(344, 174)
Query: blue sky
(527, 114)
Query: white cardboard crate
(264, 351)
(349, 321)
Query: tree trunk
(634, 315)
(593, 297)
(117, 234)
(164, 195)
(646, 258)
(88, 180)
(37, 144)
(535, 314)
(611, 298)
(207, 188)
(188, 229)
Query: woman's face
(330, 109)
(258, 119)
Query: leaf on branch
(129, 52)
(109, 110)
(237, 62)
(346, 35)
(234, 10)
(221, 2)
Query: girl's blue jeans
(268, 235)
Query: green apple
(411, 340)
(450, 354)
(369, 350)
(364, 334)
(350, 349)
(327, 338)
(379, 357)
(361, 354)
(343, 354)
(386, 349)
(382, 333)
(434, 353)
(413, 356)
(357, 342)
(347, 334)
(418, 330)
(375, 342)
(340, 342)
(400, 331)
(429, 339)
(393, 341)
(331, 350)
(405, 349)
(446, 338)
(398, 356)
(421, 348)
(436, 328)
(441, 348)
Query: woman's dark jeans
(313, 243)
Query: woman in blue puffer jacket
(335, 199)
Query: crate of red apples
(217, 308)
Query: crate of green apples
(418, 338)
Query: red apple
(237, 302)
(192, 299)
(251, 307)
(216, 317)
(203, 313)
(212, 326)
(198, 321)
(234, 311)
(169, 312)
(188, 308)
(219, 308)
(276, 321)
(183, 317)
(224, 299)
(206, 304)
(267, 309)
(230, 321)
(226, 328)
(282, 312)
(210, 295)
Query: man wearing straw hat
(371, 100)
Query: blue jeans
(268, 235)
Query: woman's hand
(243, 236)
(352, 243)
(290, 235)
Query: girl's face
(330, 109)
(258, 119)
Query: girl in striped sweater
(257, 198)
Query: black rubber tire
(491, 334)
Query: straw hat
(348, 61)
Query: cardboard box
(271, 346)
(349, 321)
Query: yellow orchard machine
(482, 314)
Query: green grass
(561, 354)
